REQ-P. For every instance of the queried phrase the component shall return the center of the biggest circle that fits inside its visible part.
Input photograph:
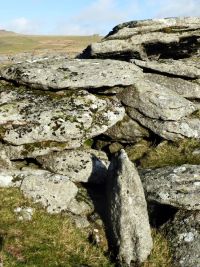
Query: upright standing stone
(128, 220)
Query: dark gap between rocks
(183, 49)
(159, 214)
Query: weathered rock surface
(71, 74)
(179, 68)
(182, 87)
(79, 165)
(127, 130)
(175, 186)
(149, 39)
(53, 191)
(170, 130)
(129, 226)
(31, 116)
(5, 162)
(31, 150)
(156, 101)
(184, 237)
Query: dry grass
(172, 154)
(160, 255)
(72, 45)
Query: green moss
(196, 114)
(138, 150)
(88, 143)
(115, 147)
(172, 154)
(168, 30)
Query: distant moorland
(12, 43)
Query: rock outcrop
(149, 39)
(62, 120)
(128, 219)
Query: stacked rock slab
(49, 109)
(149, 39)
(168, 51)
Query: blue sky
(86, 17)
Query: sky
(86, 17)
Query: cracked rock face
(128, 218)
(31, 116)
(183, 234)
(72, 74)
(175, 186)
(149, 39)
(179, 68)
(170, 130)
(156, 101)
(79, 165)
(187, 89)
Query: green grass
(47, 240)
(53, 240)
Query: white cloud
(22, 25)
(171, 8)
(99, 17)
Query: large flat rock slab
(32, 116)
(183, 234)
(149, 39)
(175, 186)
(71, 74)
(128, 220)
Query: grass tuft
(172, 154)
